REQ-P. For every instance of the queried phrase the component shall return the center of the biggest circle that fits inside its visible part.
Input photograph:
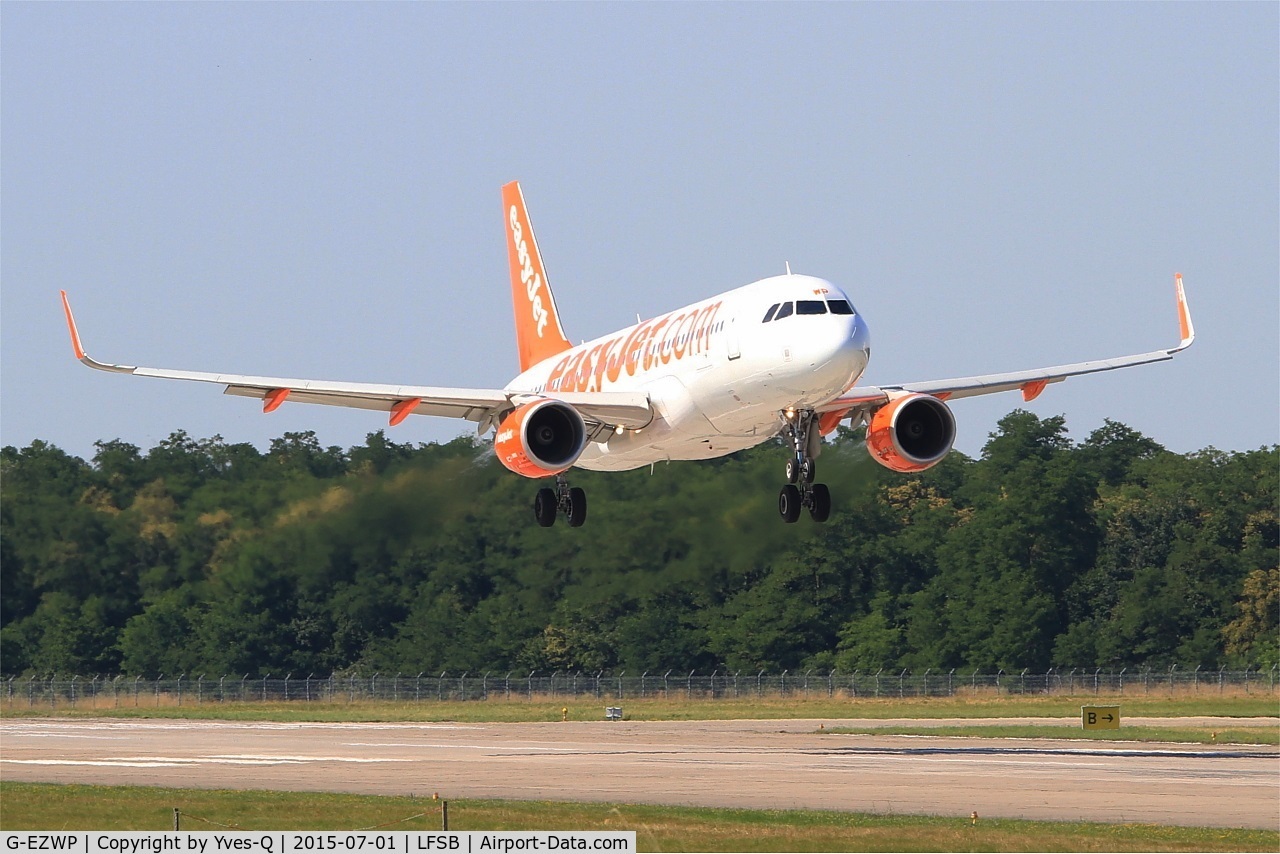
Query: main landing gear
(800, 431)
(571, 501)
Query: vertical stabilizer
(539, 334)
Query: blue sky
(312, 190)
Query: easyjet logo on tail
(538, 332)
(531, 278)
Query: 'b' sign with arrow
(1100, 717)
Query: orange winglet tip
(271, 402)
(403, 409)
(1031, 390)
(1187, 331)
(71, 327)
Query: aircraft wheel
(808, 470)
(544, 507)
(820, 503)
(577, 507)
(789, 503)
(793, 470)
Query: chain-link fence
(121, 691)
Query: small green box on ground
(1100, 717)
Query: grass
(39, 806)
(677, 708)
(1189, 735)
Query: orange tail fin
(539, 334)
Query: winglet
(71, 327)
(1184, 316)
(539, 334)
(78, 348)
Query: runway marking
(423, 745)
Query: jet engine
(911, 433)
(540, 438)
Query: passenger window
(839, 306)
(784, 311)
(811, 306)
(768, 315)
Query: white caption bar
(321, 842)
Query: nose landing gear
(800, 431)
(571, 501)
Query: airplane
(778, 358)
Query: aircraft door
(731, 339)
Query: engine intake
(911, 433)
(541, 438)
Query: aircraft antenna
(788, 263)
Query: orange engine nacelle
(911, 433)
(540, 438)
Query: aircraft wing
(602, 411)
(1031, 382)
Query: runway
(763, 764)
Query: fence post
(508, 684)
(1195, 677)
(758, 677)
(878, 672)
(462, 685)
(530, 683)
(926, 680)
(484, 685)
(1246, 679)
(688, 686)
(901, 676)
(806, 682)
(1220, 675)
(1023, 678)
(642, 677)
(665, 685)
(440, 686)
(181, 676)
(135, 690)
(831, 683)
(951, 683)
(784, 683)
(1122, 670)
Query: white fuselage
(719, 376)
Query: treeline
(199, 556)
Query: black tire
(820, 503)
(544, 507)
(808, 470)
(789, 503)
(577, 507)
(793, 470)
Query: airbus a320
(780, 357)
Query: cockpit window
(768, 315)
(839, 306)
(783, 311)
(811, 306)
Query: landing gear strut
(801, 433)
(571, 501)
